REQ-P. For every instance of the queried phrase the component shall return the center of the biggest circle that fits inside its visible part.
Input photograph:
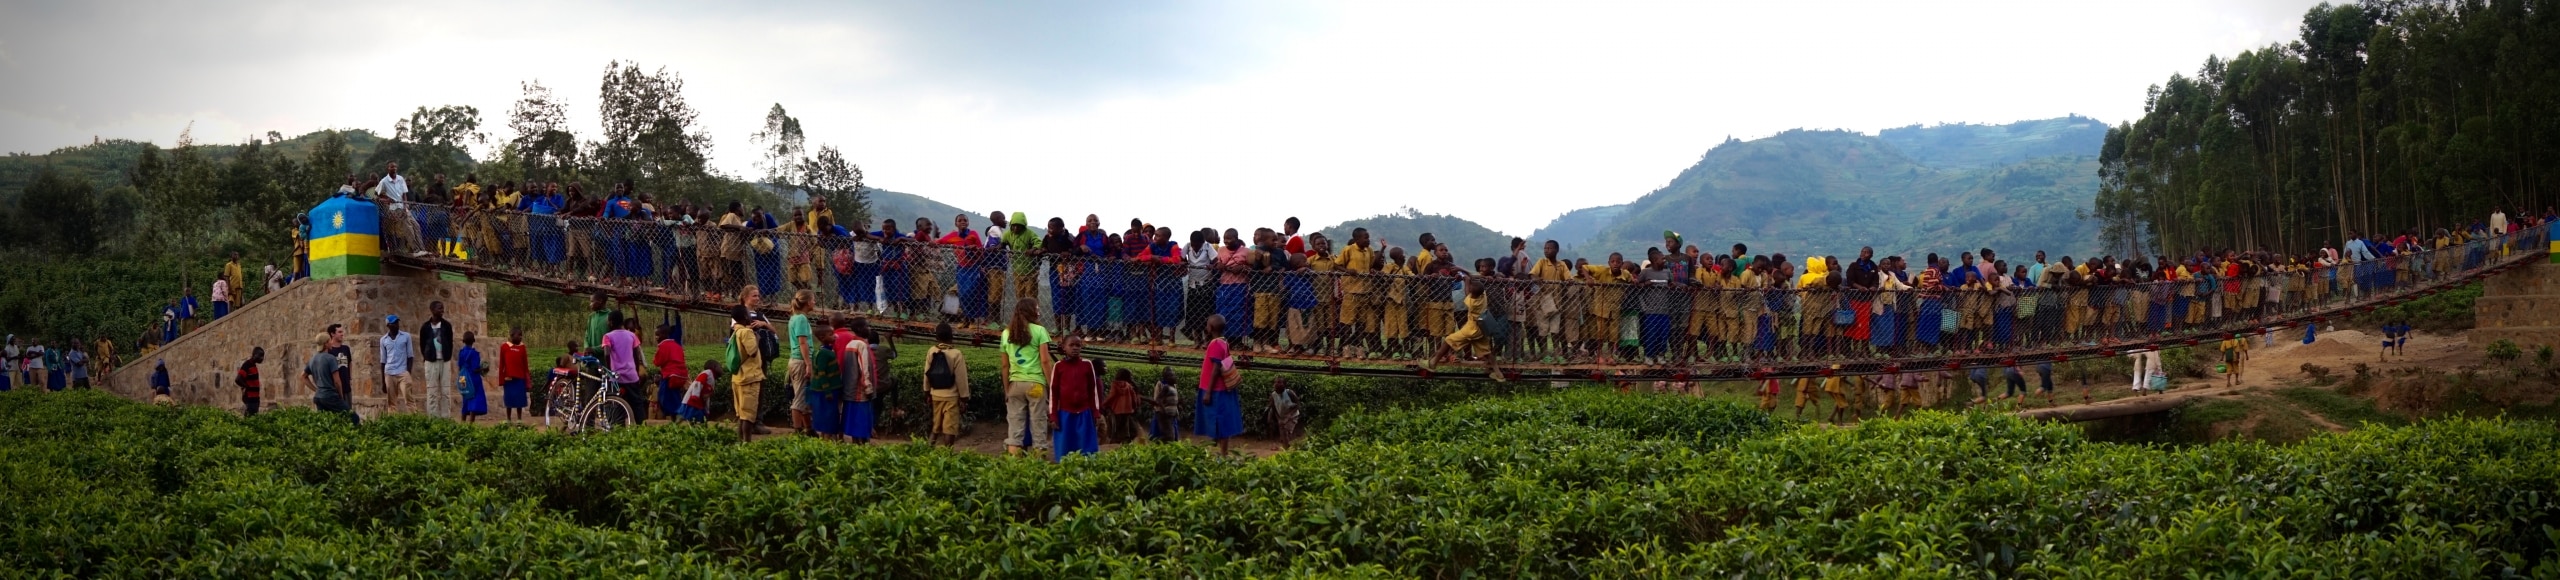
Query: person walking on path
(515, 374)
(247, 379)
(1026, 364)
(326, 374)
(474, 393)
(1221, 415)
(946, 382)
(399, 353)
(746, 357)
(439, 354)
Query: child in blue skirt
(475, 397)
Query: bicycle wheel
(608, 414)
(561, 404)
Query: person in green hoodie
(1020, 241)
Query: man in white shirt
(2498, 227)
(397, 350)
(275, 279)
(394, 189)
(12, 369)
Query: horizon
(1328, 111)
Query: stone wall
(2520, 305)
(201, 363)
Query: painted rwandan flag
(346, 239)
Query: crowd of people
(1231, 294)
(1365, 298)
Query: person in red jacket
(671, 372)
(514, 375)
(1074, 393)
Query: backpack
(843, 259)
(826, 375)
(768, 346)
(937, 372)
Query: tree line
(175, 211)
(2383, 117)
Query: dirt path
(987, 438)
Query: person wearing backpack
(1221, 414)
(1026, 364)
(946, 383)
(747, 382)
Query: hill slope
(1831, 192)
(1575, 228)
(906, 207)
(1468, 239)
(1968, 146)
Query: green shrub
(2504, 351)
(1581, 483)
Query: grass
(2279, 422)
(2339, 408)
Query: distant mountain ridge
(1970, 146)
(1912, 190)
(1469, 240)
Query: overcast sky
(1223, 113)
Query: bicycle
(603, 412)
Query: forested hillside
(1468, 239)
(1830, 192)
(1576, 228)
(1970, 146)
(2380, 117)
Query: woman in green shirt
(798, 345)
(1026, 366)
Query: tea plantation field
(1573, 484)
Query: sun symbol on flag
(338, 220)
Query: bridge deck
(645, 263)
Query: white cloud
(1200, 113)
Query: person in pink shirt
(622, 356)
(1221, 413)
(1234, 298)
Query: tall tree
(60, 213)
(543, 148)
(829, 174)
(651, 136)
(781, 142)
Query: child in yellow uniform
(1395, 320)
(1814, 318)
(1547, 307)
(1470, 340)
(1839, 387)
(1608, 290)
(2234, 353)
(1435, 314)
(1702, 310)
(1740, 304)
(1327, 284)
(1358, 260)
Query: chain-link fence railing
(1691, 314)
